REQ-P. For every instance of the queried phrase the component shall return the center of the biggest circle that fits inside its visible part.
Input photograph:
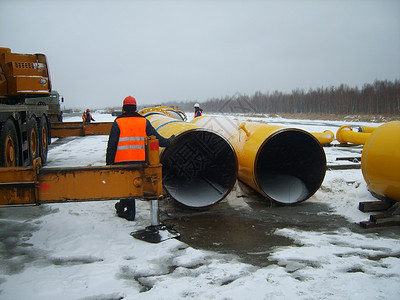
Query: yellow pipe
(367, 129)
(345, 134)
(200, 168)
(380, 161)
(285, 165)
(325, 137)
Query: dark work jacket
(114, 137)
(89, 117)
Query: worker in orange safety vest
(127, 145)
(198, 112)
(88, 116)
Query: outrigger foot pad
(156, 233)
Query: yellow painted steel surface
(25, 73)
(276, 161)
(64, 129)
(345, 134)
(200, 168)
(106, 182)
(325, 137)
(367, 129)
(34, 185)
(173, 112)
(18, 186)
(246, 148)
(380, 161)
(167, 126)
(165, 110)
(81, 184)
(246, 138)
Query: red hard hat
(88, 109)
(129, 101)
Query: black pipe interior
(199, 169)
(290, 166)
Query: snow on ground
(83, 251)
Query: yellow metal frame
(64, 129)
(35, 185)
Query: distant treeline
(381, 97)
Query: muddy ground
(244, 224)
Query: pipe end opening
(290, 166)
(200, 169)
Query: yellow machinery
(380, 161)
(285, 165)
(61, 129)
(24, 127)
(35, 185)
(200, 168)
(23, 74)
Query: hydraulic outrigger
(37, 185)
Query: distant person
(88, 117)
(127, 145)
(198, 112)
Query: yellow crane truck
(24, 128)
(25, 92)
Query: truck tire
(43, 139)
(33, 136)
(9, 148)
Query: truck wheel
(9, 148)
(33, 139)
(43, 139)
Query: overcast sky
(157, 51)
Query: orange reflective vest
(198, 113)
(132, 139)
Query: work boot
(126, 209)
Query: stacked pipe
(286, 165)
(200, 168)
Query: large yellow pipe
(285, 165)
(345, 134)
(380, 160)
(200, 168)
